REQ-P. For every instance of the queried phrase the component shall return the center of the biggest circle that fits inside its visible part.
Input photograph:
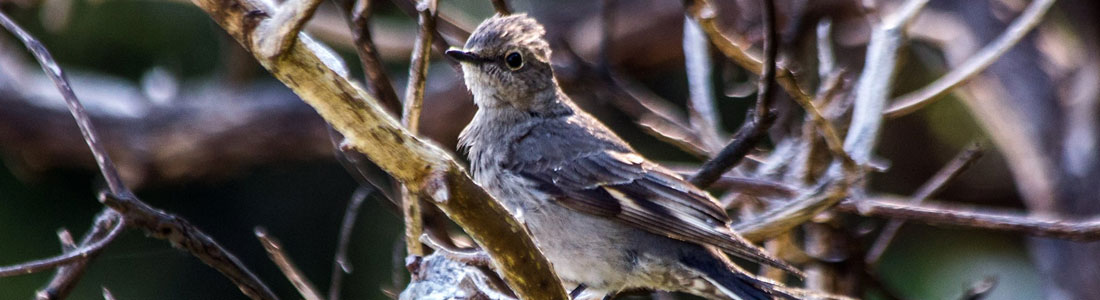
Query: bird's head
(506, 62)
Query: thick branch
(283, 29)
(424, 168)
(976, 64)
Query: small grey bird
(604, 216)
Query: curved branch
(69, 257)
(424, 168)
(918, 99)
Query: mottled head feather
(494, 83)
(501, 33)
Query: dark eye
(514, 61)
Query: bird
(606, 218)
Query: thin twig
(767, 75)
(72, 256)
(949, 172)
(752, 132)
(107, 294)
(705, 14)
(501, 6)
(876, 81)
(359, 13)
(57, 75)
(474, 257)
(134, 212)
(980, 289)
(980, 218)
(340, 263)
(66, 277)
(607, 32)
(281, 259)
(281, 30)
(181, 234)
(976, 64)
(746, 137)
(698, 65)
(442, 24)
(410, 118)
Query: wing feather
(626, 187)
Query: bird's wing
(625, 187)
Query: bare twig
(57, 75)
(946, 174)
(792, 213)
(281, 259)
(705, 14)
(282, 29)
(410, 118)
(378, 83)
(981, 218)
(423, 167)
(876, 81)
(72, 256)
(442, 24)
(340, 263)
(980, 289)
(746, 137)
(607, 30)
(134, 212)
(752, 131)
(474, 257)
(698, 65)
(501, 6)
(976, 64)
(107, 294)
(66, 277)
(767, 75)
(181, 234)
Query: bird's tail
(727, 280)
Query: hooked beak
(465, 56)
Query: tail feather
(728, 278)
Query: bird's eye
(514, 60)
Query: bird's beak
(465, 56)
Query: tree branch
(378, 83)
(340, 263)
(959, 75)
(424, 168)
(410, 118)
(752, 131)
(282, 31)
(134, 212)
(282, 260)
(501, 6)
(79, 254)
(876, 80)
(939, 214)
(67, 276)
(949, 172)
